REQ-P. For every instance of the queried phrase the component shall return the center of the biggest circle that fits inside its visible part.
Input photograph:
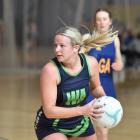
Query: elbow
(48, 113)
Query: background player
(105, 46)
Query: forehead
(102, 14)
(59, 38)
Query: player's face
(102, 21)
(63, 48)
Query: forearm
(63, 112)
(120, 63)
(98, 92)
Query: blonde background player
(104, 45)
(65, 84)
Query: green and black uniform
(72, 91)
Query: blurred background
(26, 36)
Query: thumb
(92, 102)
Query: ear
(76, 48)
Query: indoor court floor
(19, 100)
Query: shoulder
(116, 41)
(92, 61)
(49, 67)
(92, 66)
(50, 71)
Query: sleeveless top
(105, 57)
(72, 91)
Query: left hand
(116, 66)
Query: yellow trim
(59, 77)
(89, 65)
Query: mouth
(59, 56)
(102, 27)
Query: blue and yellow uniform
(105, 57)
(72, 91)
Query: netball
(113, 112)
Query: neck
(74, 64)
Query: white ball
(113, 112)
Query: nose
(57, 48)
(101, 22)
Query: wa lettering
(75, 97)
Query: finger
(96, 116)
(98, 111)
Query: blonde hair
(96, 40)
(73, 33)
(87, 41)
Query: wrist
(81, 110)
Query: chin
(59, 59)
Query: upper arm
(48, 85)
(95, 85)
(94, 72)
(118, 51)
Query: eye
(62, 46)
(56, 45)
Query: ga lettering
(104, 65)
